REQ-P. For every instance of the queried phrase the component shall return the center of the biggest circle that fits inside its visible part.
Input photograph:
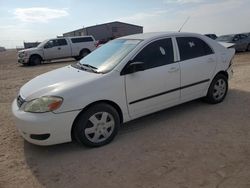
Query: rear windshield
(82, 39)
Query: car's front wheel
(35, 60)
(97, 126)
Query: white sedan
(124, 79)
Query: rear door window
(58, 42)
(192, 47)
(61, 42)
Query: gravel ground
(188, 146)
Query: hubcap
(219, 89)
(100, 127)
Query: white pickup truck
(58, 48)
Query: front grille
(20, 101)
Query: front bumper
(44, 128)
(23, 60)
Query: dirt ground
(188, 146)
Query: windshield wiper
(88, 67)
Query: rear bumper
(230, 72)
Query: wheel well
(223, 73)
(111, 103)
(85, 49)
(33, 55)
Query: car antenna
(184, 23)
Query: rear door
(197, 63)
(158, 85)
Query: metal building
(107, 31)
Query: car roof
(152, 35)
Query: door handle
(59, 48)
(173, 69)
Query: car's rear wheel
(35, 60)
(97, 126)
(82, 54)
(217, 90)
(248, 47)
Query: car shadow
(72, 165)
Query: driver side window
(156, 54)
(49, 44)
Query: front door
(157, 86)
(56, 49)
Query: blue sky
(40, 19)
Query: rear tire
(248, 48)
(35, 60)
(82, 54)
(217, 90)
(97, 126)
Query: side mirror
(133, 67)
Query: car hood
(29, 50)
(55, 82)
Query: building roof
(104, 24)
(113, 23)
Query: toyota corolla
(124, 79)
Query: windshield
(225, 38)
(42, 44)
(109, 55)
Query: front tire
(97, 126)
(35, 60)
(217, 90)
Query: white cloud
(39, 14)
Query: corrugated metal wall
(107, 31)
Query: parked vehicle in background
(248, 34)
(58, 48)
(2, 49)
(99, 43)
(241, 41)
(212, 36)
(122, 80)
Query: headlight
(22, 54)
(43, 104)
